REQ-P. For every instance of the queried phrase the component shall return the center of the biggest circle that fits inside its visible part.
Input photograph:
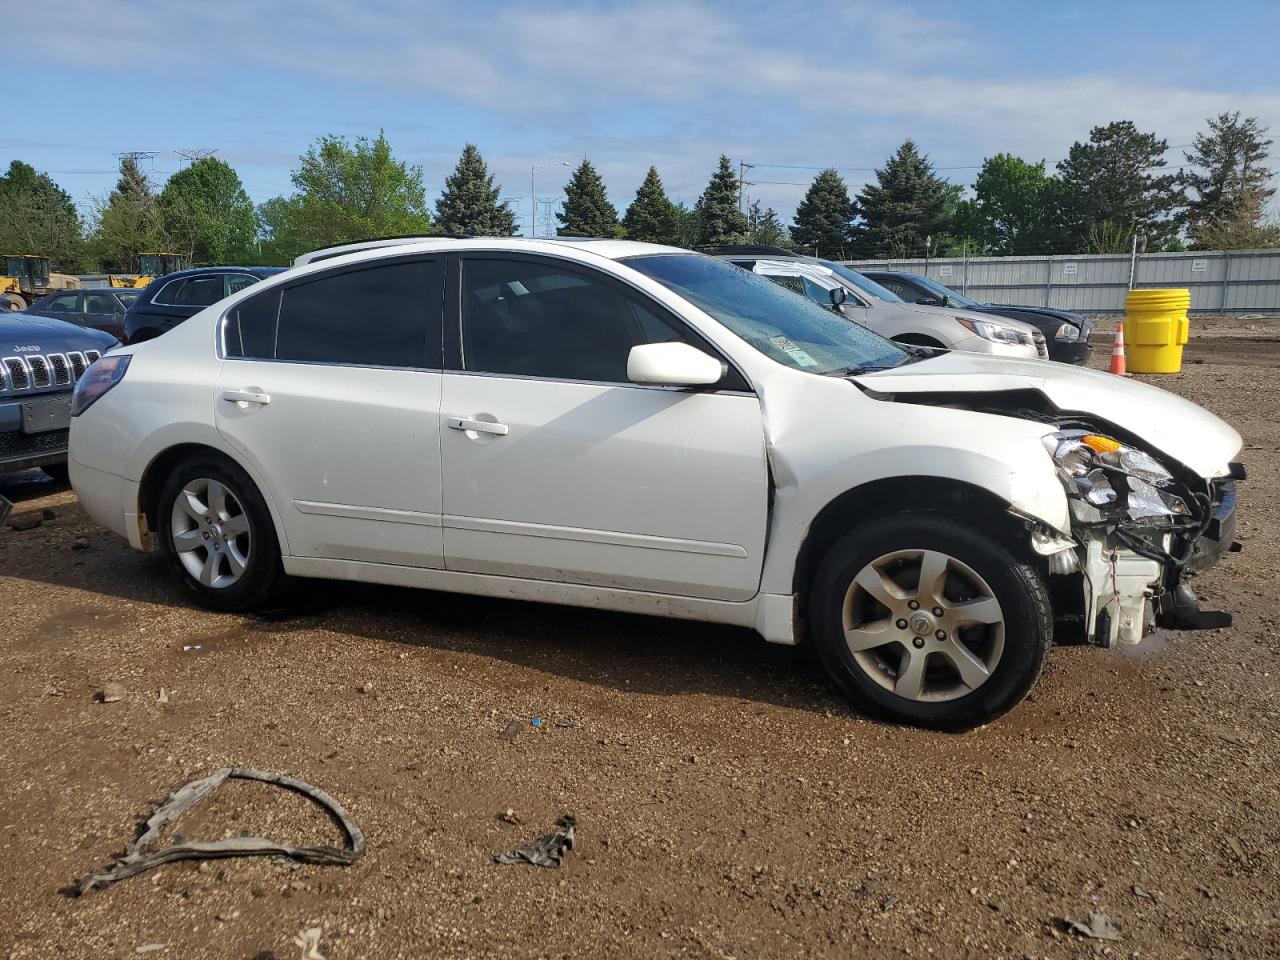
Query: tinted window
(238, 281)
(128, 296)
(64, 303)
(386, 315)
(100, 303)
(200, 291)
(541, 320)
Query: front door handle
(478, 426)
(246, 396)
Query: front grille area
(14, 446)
(19, 379)
(61, 371)
(35, 372)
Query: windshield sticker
(792, 351)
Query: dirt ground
(729, 803)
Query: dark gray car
(97, 308)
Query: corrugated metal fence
(1237, 281)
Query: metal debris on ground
(510, 730)
(1145, 894)
(1099, 927)
(138, 858)
(536, 721)
(546, 851)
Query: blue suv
(175, 297)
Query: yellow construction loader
(23, 278)
(150, 266)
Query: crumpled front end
(1141, 530)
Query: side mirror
(838, 296)
(946, 301)
(673, 365)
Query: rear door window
(386, 315)
(200, 291)
(65, 303)
(100, 303)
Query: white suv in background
(641, 428)
(888, 315)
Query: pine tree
(586, 211)
(822, 219)
(1116, 179)
(129, 222)
(720, 222)
(764, 228)
(652, 217)
(904, 207)
(469, 203)
(1231, 183)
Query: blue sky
(808, 84)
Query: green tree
(764, 228)
(824, 215)
(345, 191)
(206, 213)
(652, 217)
(1118, 179)
(904, 207)
(129, 222)
(586, 211)
(37, 216)
(719, 220)
(470, 204)
(1230, 183)
(1014, 208)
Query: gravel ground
(729, 803)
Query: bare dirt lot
(729, 803)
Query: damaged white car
(640, 428)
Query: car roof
(602, 246)
(199, 271)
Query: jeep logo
(27, 348)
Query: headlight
(1110, 475)
(103, 374)
(1068, 331)
(991, 330)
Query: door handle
(478, 426)
(246, 396)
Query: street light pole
(533, 194)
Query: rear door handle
(478, 426)
(246, 396)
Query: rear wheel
(217, 535)
(16, 301)
(920, 618)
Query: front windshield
(865, 284)
(938, 290)
(781, 324)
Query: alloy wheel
(210, 532)
(923, 625)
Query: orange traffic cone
(1117, 352)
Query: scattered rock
(162, 696)
(26, 522)
(1145, 894)
(309, 941)
(110, 693)
(1099, 927)
(510, 731)
(150, 947)
(366, 687)
(510, 817)
(80, 543)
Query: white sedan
(641, 428)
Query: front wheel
(922, 619)
(216, 532)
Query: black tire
(16, 302)
(263, 578)
(1015, 584)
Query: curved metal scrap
(138, 859)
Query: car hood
(1066, 316)
(48, 335)
(1170, 425)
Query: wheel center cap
(922, 623)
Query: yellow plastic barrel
(1155, 328)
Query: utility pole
(533, 193)
(964, 277)
(199, 153)
(742, 167)
(1133, 260)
